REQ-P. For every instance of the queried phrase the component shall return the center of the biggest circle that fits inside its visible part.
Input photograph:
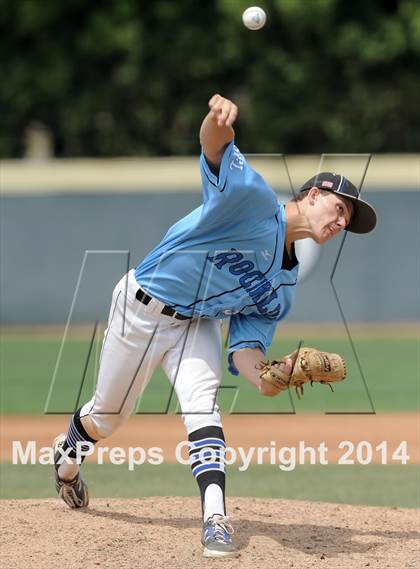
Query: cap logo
(326, 184)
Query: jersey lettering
(223, 258)
(256, 290)
(249, 278)
(242, 267)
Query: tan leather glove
(309, 365)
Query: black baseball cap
(364, 217)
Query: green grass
(390, 367)
(371, 485)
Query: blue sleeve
(210, 182)
(238, 187)
(249, 331)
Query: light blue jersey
(225, 258)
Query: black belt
(144, 298)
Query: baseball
(254, 18)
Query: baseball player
(211, 265)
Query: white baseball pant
(137, 339)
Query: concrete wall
(44, 239)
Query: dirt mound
(165, 533)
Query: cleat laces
(221, 527)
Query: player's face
(330, 215)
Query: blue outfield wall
(44, 239)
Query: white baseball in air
(254, 18)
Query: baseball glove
(309, 365)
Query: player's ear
(313, 195)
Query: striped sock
(76, 439)
(207, 460)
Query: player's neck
(297, 226)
